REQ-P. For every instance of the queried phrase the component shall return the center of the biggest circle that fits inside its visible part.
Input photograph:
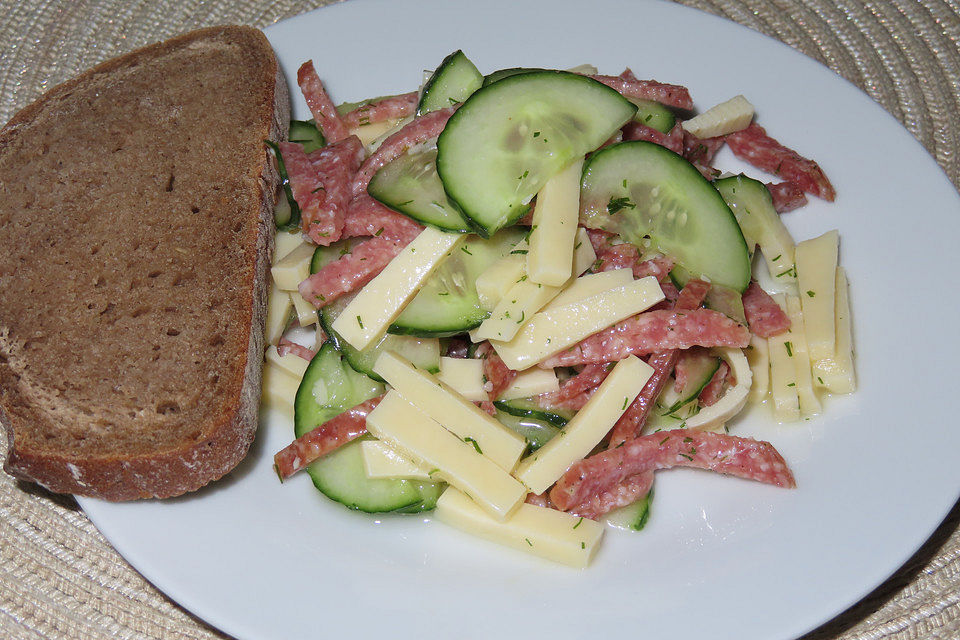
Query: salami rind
(324, 439)
(722, 453)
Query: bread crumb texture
(130, 210)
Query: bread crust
(225, 437)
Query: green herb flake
(360, 322)
(792, 384)
(811, 293)
(583, 545)
(578, 522)
(474, 443)
(617, 204)
(528, 541)
(465, 250)
(519, 251)
(687, 457)
(625, 401)
(789, 347)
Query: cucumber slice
(537, 432)
(448, 303)
(653, 114)
(528, 408)
(642, 190)
(285, 218)
(702, 366)
(330, 387)
(632, 517)
(341, 476)
(452, 83)
(510, 137)
(322, 256)
(306, 133)
(500, 74)
(752, 205)
(410, 185)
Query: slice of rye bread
(135, 237)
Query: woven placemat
(60, 579)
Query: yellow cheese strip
(590, 285)
(279, 388)
(554, 230)
(816, 280)
(380, 460)
(279, 307)
(531, 382)
(542, 468)
(548, 533)
(284, 242)
(809, 402)
(719, 120)
(552, 331)
(306, 312)
(758, 355)
(783, 373)
(526, 297)
(369, 133)
(292, 364)
(459, 462)
(452, 410)
(501, 275)
(465, 376)
(292, 269)
(369, 314)
(837, 373)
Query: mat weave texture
(60, 579)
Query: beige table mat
(60, 579)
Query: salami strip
(324, 113)
(786, 196)
(626, 256)
(764, 315)
(756, 147)
(714, 389)
(288, 347)
(324, 439)
(731, 455)
(334, 165)
(417, 132)
(574, 393)
(368, 217)
(654, 331)
(639, 131)
(701, 150)
(627, 492)
(663, 362)
(498, 376)
(305, 183)
(672, 95)
(391, 108)
(539, 500)
(350, 271)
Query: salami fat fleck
(324, 439)
(390, 108)
(654, 331)
(756, 147)
(730, 455)
(324, 113)
(764, 315)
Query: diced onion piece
(733, 115)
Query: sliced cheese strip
(368, 133)
(783, 373)
(547, 533)
(719, 120)
(465, 376)
(451, 409)
(542, 468)
(306, 312)
(554, 230)
(531, 382)
(552, 331)
(284, 242)
(292, 269)
(279, 307)
(816, 279)
(758, 355)
(292, 364)
(809, 402)
(526, 297)
(380, 460)
(460, 463)
(836, 373)
(591, 285)
(279, 388)
(501, 275)
(369, 314)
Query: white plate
(721, 557)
